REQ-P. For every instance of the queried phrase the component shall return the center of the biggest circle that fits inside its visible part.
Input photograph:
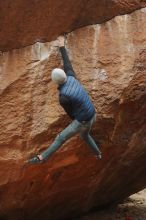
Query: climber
(77, 104)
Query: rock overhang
(23, 23)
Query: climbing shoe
(35, 160)
(98, 156)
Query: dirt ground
(133, 208)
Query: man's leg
(84, 133)
(90, 141)
(63, 136)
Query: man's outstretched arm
(66, 61)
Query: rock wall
(26, 22)
(110, 61)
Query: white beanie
(58, 76)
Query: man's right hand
(61, 41)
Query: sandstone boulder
(110, 61)
(26, 22)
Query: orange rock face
(26, 22)
(110, 61)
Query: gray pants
(76, 127)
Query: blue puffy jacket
(82, 108)
(72, 95)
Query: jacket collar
(60, 86)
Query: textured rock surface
(26, 22)
(132, 208)
(110, 60)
